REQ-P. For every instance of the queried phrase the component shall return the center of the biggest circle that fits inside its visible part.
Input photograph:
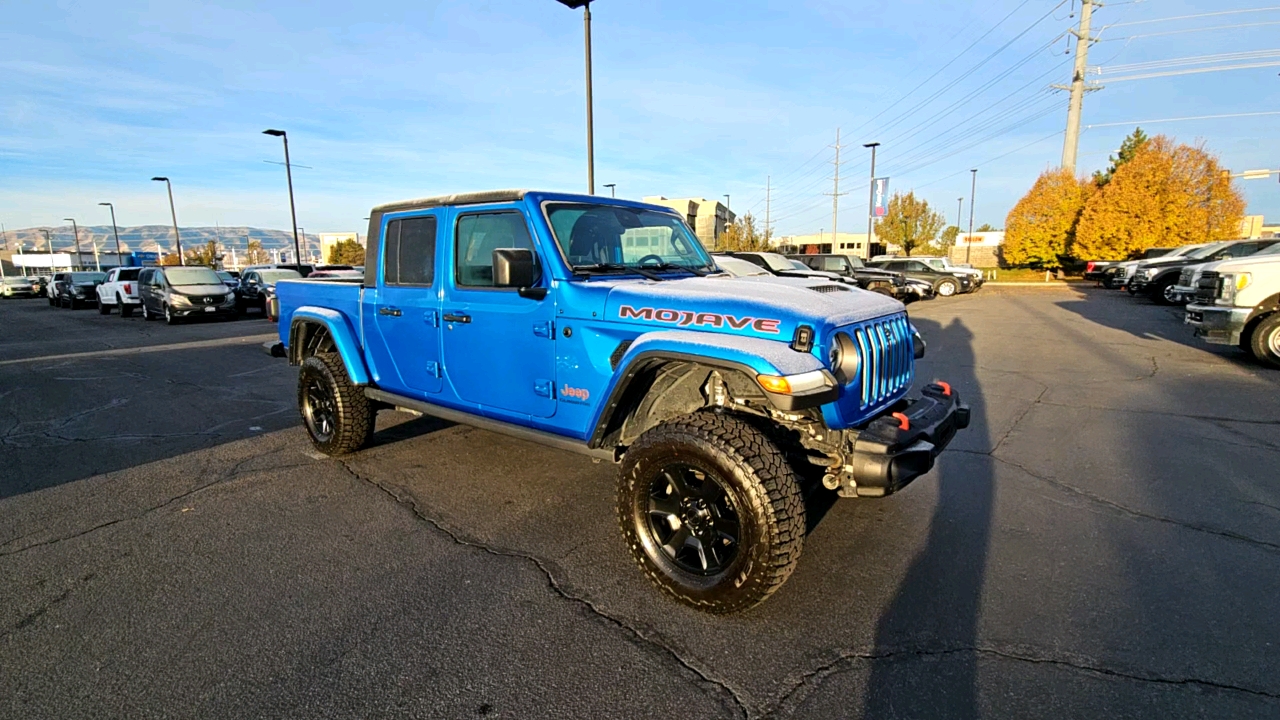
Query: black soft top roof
(471, 198)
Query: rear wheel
(126, 310)
(337, 414)
(946, 288)
(711, 511)
(1264, 342)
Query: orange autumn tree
(1042, 226)
(1168, 195)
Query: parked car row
(176, 293)
(1232, 287)
(906, 279)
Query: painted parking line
(242, 340)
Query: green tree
(346, 252)
(255, 255)
(206, 254)
(1042, 225)
(743, 235)
(1128, 149)
(1166, 195)
(949, 236)
(909, 223)
(985, 227)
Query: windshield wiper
(609, 268)
(699, 271)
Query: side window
(410, 251)
(896, 266)
(144, 277)
(917, 266)
(478, 235)
(833, 264)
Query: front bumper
(901, 444)
(203, 311)
(1217, 325)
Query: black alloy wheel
(693, 518)
(319, 409)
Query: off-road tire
(1264, 341)
(951, 288)
(352, 422)
(126, 310)
(755, 476)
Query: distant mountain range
(152, 238)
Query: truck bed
(332, 294)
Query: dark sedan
(943, 283)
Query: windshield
(128, 274)
(742, 268)
(15, 280)
(192, 276)
(594, 236)
(1205, 251)
(87, 277)
(225, 276)
(271, 276)
(1272, 250)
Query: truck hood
(1243, 263)
(759, 307)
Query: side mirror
(514, 267)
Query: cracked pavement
(1101, 542)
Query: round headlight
(844, 358)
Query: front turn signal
(775, 384)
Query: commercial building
(981, 249)
(329, 240)
(842, 243)
(708, 218)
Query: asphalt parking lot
(1104, 541)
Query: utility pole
(973, 193)
(835, 197)
(768, 205)
(871, 198)
(1071, 146)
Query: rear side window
(409, 257)
(131, 274)
(917, 266)
(478, 236)
(833, 264)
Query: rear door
(499, 347)
(407, 306)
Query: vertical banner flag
(880, 197)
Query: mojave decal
(686, 318)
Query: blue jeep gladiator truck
(602, 326)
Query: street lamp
(973, 192)
(591, 152)
(177, 238)
(611, 187)
(871, 196)
(726, 202)
(76, 231)
(116, 232)
(288, 172)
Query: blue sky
(389, 100)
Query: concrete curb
(1051, 283)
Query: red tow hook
(946, 387)
(904, 422)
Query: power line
(1195, 71)
(1192, 17)
(1182, 119)
(1191, 30)
(1194, 60)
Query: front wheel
(337, 414)
(1163, 293)
(169, 317)
(947, 288)
(711, 511)
(103, 308)
(1264, 343)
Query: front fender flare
(344, 339)
(751, 356)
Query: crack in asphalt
(30, 618)
(408, 501)
(1078, 492)
(231, 475)
(1189, 416)
(1018, 421)
(819, 675)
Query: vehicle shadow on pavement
(924, 663)
(1141, 318)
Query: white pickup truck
(120, 289)
(1237, 302)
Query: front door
(407, 307)
(499, 347)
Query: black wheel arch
(308, 337)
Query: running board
(465, 418)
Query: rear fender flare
(750, 356)
(344, 339)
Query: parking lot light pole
(177, 239)
(612, 187)
(115, 231)
(288, 173)
(973, 192)
(76, 232)
(591, 151)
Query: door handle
(393, 312)
(457, 317)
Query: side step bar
(465, 418)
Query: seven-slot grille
(887, 358)
(1209, 287)
(1184, 278)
